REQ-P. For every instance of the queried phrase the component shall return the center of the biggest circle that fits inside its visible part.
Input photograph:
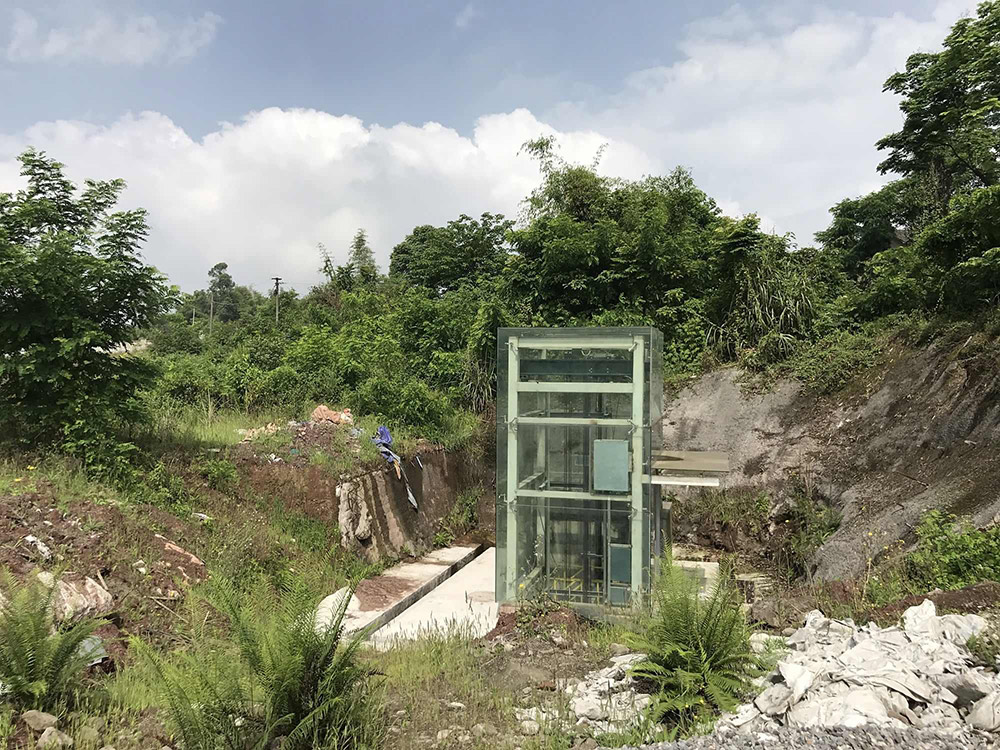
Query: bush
(985, 647)
(165, 490)
(699, 655)
(41, 665)
(289, 680)
(219, 473)
(282, 386)
(951, 553)
(403, 401)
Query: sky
(251, 131)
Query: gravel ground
(860, 738)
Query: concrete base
(464, 604)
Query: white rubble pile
(837, 674)
(606, 700)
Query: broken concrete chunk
(969, 687)
(985, 714)
(774, 701)
(798, 678)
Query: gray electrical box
(611, 466)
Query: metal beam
(571, 495)
(513, 376)
(575, 421)
(576, 342)
(536, 386)
(640, 546)
(681, 481)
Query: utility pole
(277, 284)
(211, 312)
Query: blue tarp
(383, 440)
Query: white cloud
(105, 38)
(259, 194)
(466, 16)
(775, 114)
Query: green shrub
(404, 401)
(461, 519)
(286, 681)
(985, 647)
(830, 363)
(812, 522)
(165, 490)
(41, 665)
(282, 386)
(218, 472)
(189, 379)
(951, 553)
(699, 654)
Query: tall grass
(41, 664)
(277, 679)
(699, 655)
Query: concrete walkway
(465, 603)
(379, 599)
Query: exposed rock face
(916, 675)
(921, 431)
(375, 516)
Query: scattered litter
(274, 458)
(248, 435)
(324, 413)
(383, 439)
(39, 545)
(92, 648)
(201, 517)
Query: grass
(63, 477)
(190, 429)
(425, 675)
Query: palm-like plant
(699, 656)
(41, 663)
(290, 681)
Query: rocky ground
(843, 686)
(838, 738)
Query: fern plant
(699, 657)
(289, 681)
(41, 664)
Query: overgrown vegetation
(42, 662)
(700, 659)
(291, 679)
(952, 553)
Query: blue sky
(252, 131)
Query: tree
(951, 103)
(466, 251)
(74, 292)
(361, 259)
(222, 289)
